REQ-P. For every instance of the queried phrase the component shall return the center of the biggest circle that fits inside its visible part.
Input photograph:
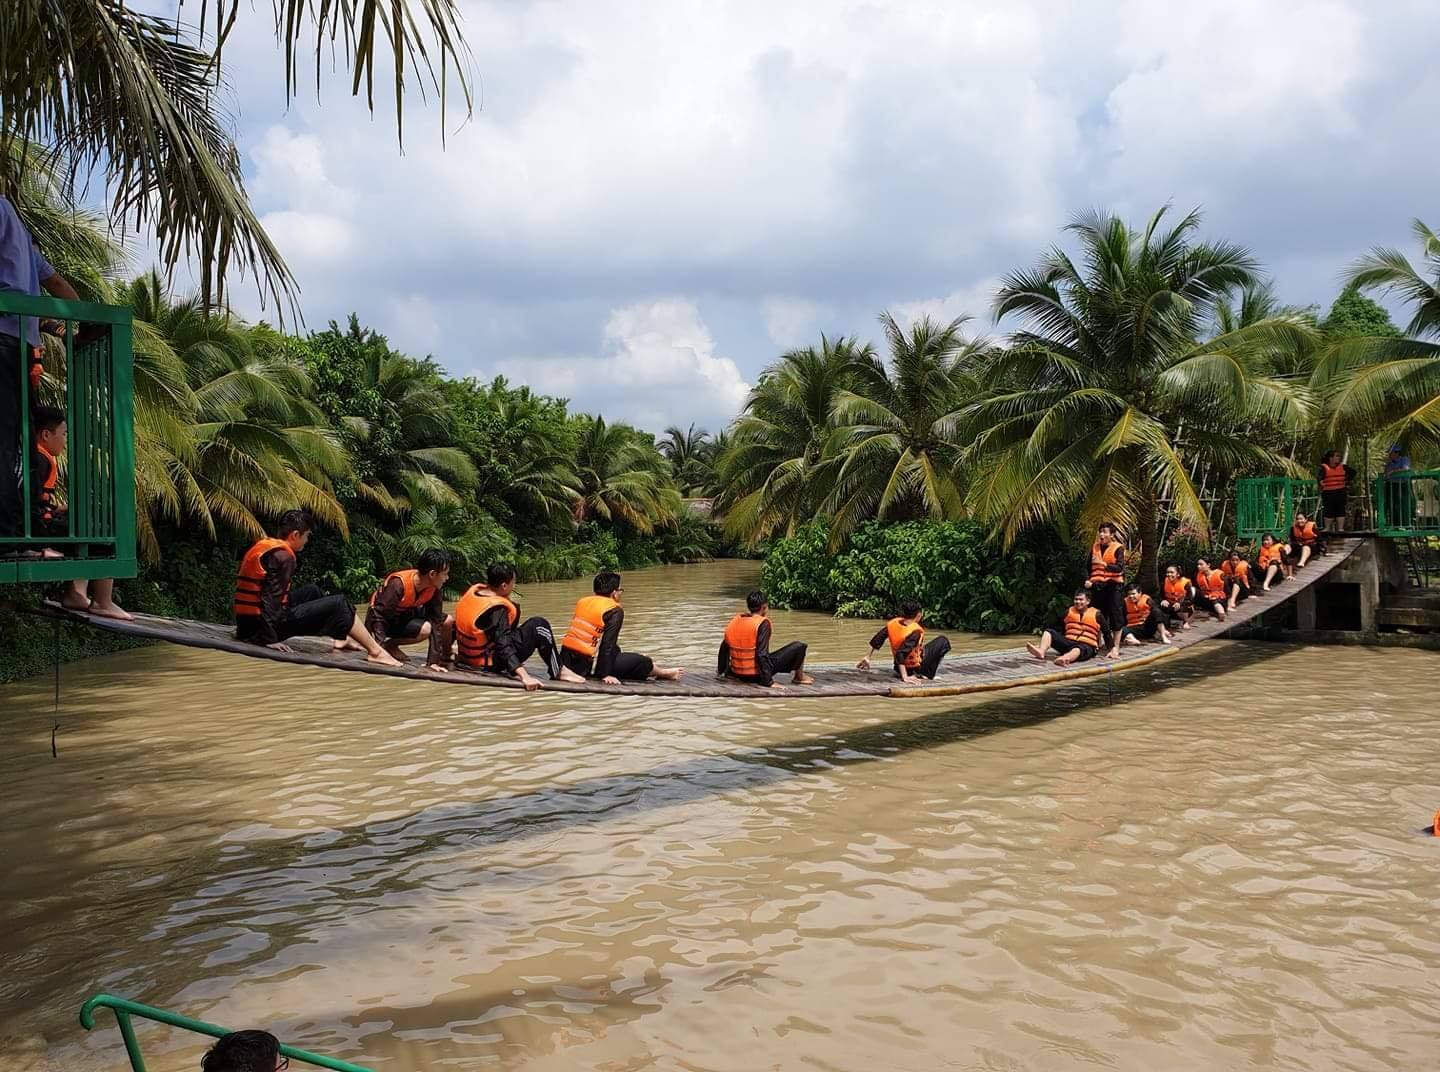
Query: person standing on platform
(745, 652)
(23, 270)
(1106, 582)
(1333, 475)
(913, 658)
(1399, 495)
(268, 613)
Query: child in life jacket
(49, 518)
(913, 658)
(1271, 562)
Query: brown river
(1216, 864)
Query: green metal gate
(1269, 503)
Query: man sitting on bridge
(913, 657)
(1079, 636)
(1142, 620)
(1211, 589)
(745, 652)
(1271, 561)
(1177, 601)
(409, 607)
(591, 646)
(493, 640)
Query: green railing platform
(124, 1009)
(1268, 504)
(1408, 504)
(99, 485)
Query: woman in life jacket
(913, 658)
(1177, 600)
(1270, 561)
(1211, 589)
(591, 647)
(1333, 476)
(409, 606)
(745, 651)
(1142, 618)
(1237, 578)
(1305, 540)
(1081, 634)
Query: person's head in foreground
(48, 424)
(433, 565)
(1202, 565)
(756, 603)
(1082, 600)
(1300, 519)
(1132, 593)
(608, 584)
(1106, 532)
(500, 578)
(1172, 573)
(910, 610)
(245, 1051)
(1267, 540)
(294, 529)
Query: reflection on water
(1215, 866)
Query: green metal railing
(100, 460)
(1268, 504)
(125, 1009)
(1408, 504)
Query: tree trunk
(1149, 578)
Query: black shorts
(1146, 630)
(405, 628)
(1332, 504)
(1063, 645)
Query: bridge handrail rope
(124, 1009)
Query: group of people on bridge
(486, 632)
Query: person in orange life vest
(1305, 541)
(1211, 589)
(1081, 634)
(493, 640)
(1333, 475)
(49, 518)
(409, 606)
(591, 646)
(1271, 561)
(1237, 578)
(1177, 598)
(745, 652)
(268, 613)
(1106, 580)
(1143, 620)
(913, 658)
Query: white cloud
(657, 367)
(791, 322)
(972, 301)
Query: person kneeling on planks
(1211, 589)
(1271, 561)
(592, 644)
(1305, 541)
(1081, 634)
(409, 606)
(490, 640)
(1142, 620)
(1177, 599)
(745, 652)
(913, 657)
(268, 613)
(1237, 578)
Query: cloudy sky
(655, 199)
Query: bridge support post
(1305, 611)
(1362, 569)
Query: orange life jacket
(47, 486)
(413, 596)
(37, 368)
(1270, 556)
(1178, 590)
(743, 637)
(252, 577)
(1210, 585)
(1332, 477)
(1136, 610)
(898, 629)
(588, 625)
(1238, 570)
(1083, 628)
(1100, 559)
(1305, 535)
(474, 644)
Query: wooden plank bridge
(960, 674)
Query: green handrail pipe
(124, 1009)
(1408, 503)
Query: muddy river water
(1216, 864)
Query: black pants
(1146, 630)
(1205, 603)
(1060, 644)
(786, 660)
(628, 667)
(310, 613)
(1177, 614)
(534, 635)
(1332, 505)
(1109, 599)
(934, 651)
(11, 494)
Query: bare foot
(1035, 652)
(111, 610)
(803, 679)
(566, 674)
(383, 658)
(80, 604)
(672, 673)
(345, 645)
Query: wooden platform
(961, 673)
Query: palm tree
(622, 478)
(1391, 387)
(776, 475)
(1107, 395)
(135, 97)
(686, 453)
(894, 429)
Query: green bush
(962, 578)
